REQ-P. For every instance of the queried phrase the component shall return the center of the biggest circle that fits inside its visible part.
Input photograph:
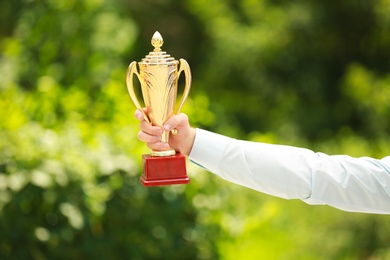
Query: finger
(176, 121)
(148, 138)
(159, 146)
(150, 129)
(138, 114)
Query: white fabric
(344, 182)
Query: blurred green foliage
(312, 74)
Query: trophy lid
(157, 56)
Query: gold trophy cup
(158, 75)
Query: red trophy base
(167, 170)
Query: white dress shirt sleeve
(344, 182)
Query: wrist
(189, 142)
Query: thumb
(176, 121)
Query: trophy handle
(132, 69)
(184, 67)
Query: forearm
(344, 182)
(272, 169)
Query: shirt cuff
(208, 154)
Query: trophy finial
(157, 41)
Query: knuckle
(139, 135)
(153, 146)
(183, 118)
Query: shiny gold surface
(157, 41)
(158, 75)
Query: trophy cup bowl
(158, 74)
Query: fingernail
(138, 116)
(167, 127)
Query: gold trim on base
(163, 153)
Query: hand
(181, 142)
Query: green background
(306, 73)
